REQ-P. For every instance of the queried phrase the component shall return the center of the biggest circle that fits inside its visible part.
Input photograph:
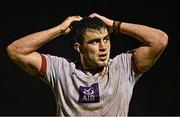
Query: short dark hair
(79, 27)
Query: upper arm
(30, 63)
(145, 56)
(154, 41)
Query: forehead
(90, 34)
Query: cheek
(91, 51)
(109, 46)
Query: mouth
(102, 57)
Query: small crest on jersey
(89, 94)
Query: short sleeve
(124, 61)
(51, 67)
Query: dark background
(156, 93)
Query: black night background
(156, 93)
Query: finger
(67, 30)
(98, 16)
(77, 17)
(74, 18)
(93, 15)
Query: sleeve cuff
(43, 66)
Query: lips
(103, 57)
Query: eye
(106, 39)
(94, 42)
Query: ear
(77, 47)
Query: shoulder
(55, 63)
(124, 56)
(55, 59)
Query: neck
(94, 71)
(88, 69)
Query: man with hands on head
(95, 84)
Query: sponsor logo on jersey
(89, 94)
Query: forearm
(149, 36)
(32, 42)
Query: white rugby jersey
(84, 94)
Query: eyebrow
(99, 38)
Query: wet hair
(78, 28)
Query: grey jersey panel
(80, 93)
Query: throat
(94, 71)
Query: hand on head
(106, 20)
(66, 23)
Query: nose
(102, 46)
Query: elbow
(11, 52)
(162, 40)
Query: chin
(102, 64)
